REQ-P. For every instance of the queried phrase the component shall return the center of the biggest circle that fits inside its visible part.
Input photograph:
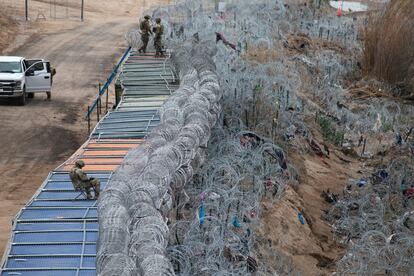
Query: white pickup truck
(21, 78)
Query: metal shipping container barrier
(56, 232)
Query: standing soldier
(145, 27)
(81, 182)
(52, 72)
(159, 31)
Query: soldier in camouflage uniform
(145, 28)
(81, 182)
(159, 31)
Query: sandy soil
(310, 246)
(39, 136)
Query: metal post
(99, 95)
(89, 120)
(118, 92)
(97, 111)
(26, 7)
(409, 133)
(107, 95)
(82, 6)
(100, 105)
(363, 148)
(287, 99)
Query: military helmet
(80, 163)
(147, 17)
(158, 20)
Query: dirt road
(36, 138)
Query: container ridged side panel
(57, 231)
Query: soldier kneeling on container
(81, 181)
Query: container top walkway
(57, 231)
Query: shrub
(328, 130)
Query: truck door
(38, 79)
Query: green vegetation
(328, 130)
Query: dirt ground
(310, 246)
(37, 137)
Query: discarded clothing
(201, 215)
(219, 37)
(361, 183)
(251, 264)
(301, 218)
(236, 222)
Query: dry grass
(261, 54)
(389, 45)
(8, 29)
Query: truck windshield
(10, 67)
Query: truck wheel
(22, 99)
(49, 95)
(30, 95)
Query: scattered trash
(268, 183)
(201, 215)
(361, 183)
(221, 37)
(398, 139)
(408, 191)
(290, 133)
(301, 218)
(236, 222)
(315, 147)
(248, 233)
(251, 264)
(381, 174)
(253, 214)
(213, 196)
(250, 139)
(246, 219)
(329, 197)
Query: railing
(102, 89)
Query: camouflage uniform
(52, 73)
(159, 31)
(145, 33)
(81, 182)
